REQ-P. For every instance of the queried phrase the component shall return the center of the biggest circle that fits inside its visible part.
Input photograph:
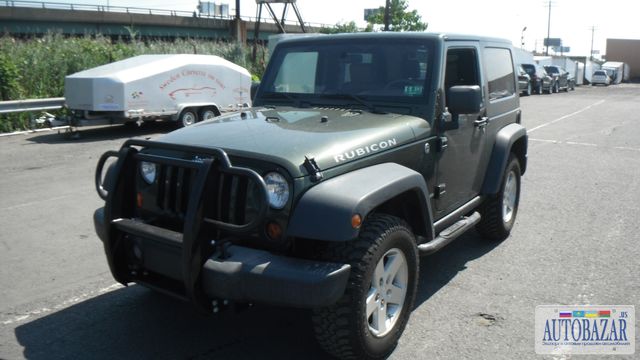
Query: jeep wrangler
(361, 153)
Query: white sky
(571, 20)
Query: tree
(400, 18)
(349, 27)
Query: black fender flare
(324, 212)
(505, 139)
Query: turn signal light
(274, 231)
(139, 200)
(356, 221)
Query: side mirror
(464, 99)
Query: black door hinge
(439, 190)
(443, 143)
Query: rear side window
(500, 74)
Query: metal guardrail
(7, 107)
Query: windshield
(530, 69)
(359, 71)
(551, 69)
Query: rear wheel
(208, 113)
(187, 117)
(368, 320)
(539, 88)
(499, 211)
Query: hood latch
(312, 169)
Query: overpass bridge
(30, 18)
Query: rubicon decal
(365, 150)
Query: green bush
(36, 67)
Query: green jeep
(362, 152)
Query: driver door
(458, 171)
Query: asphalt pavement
(575, 242)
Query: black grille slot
(225, 197)
(174, 184)
(228, 199)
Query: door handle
(481, 122)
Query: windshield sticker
(365, 150)
(413, 90)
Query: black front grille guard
(121, 187)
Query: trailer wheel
(208, 113)
(187, 117)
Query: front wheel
(499, 211)
(187, 117)
(368, 320)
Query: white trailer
(616, 71)
(184, 88)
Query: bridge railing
(134, 10)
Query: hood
(285, 136)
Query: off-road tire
(343, 329)
(494, 225)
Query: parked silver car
(600, 77)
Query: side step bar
(449, 234)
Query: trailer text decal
(191, 73)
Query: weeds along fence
(36, 67)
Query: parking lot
(576, 241)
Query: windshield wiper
(357, 99)
(282, 95)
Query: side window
(500, 74)
(461, 68)
(297, 73)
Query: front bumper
(241, 274)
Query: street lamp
(522, 37)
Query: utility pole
(238, 21)
(546, 51)
(387, 15)
(593, 30)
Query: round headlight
(278, 190)
(148, 171)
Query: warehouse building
(626, 51)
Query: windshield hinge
(312, 168)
